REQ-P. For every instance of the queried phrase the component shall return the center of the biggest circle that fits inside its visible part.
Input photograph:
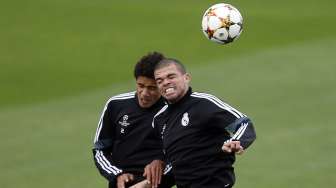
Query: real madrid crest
(185, 119)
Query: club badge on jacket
(185, 119)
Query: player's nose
(145, 92)
(166, 82)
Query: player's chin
(146, 104)
(170, 97)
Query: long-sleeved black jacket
(125, 140)
(195, 129)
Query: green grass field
(61, 60)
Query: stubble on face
(172, 83)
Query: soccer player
(201, 133)
(127, 149)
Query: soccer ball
(222, 23)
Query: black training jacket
(195, 129)
(125, 139)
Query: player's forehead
(170, 69)
(145, 81)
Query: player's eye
(152, 88)
(158, 81)
(172, 76)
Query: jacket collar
(184, 98)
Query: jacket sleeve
(242, 129)
(103, 143)
(237, 124)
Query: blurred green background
(60, 60)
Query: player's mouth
(145, 100)
(169, 91)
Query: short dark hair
(168, 61)
(145, 66)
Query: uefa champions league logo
(124, 124)
(124, 121)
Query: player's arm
(238, 125)
(142, 184)
(103, 142)
(242, 135)
(153, 172)
(155, 169)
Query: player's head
(172, 79)
(147, 91)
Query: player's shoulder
(206, 97)
(121, 97)
(206, 100)
(212, 102)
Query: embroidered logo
(124, 121)
(185, 119)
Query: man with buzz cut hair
(201, 133)
(127, 149)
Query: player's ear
(187, 77)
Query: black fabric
(195, 128)
(222, 178)
(125, 138)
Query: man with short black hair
(201, 133)
(127, 149)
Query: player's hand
(142, 184)
(153, 172)
(123, 179)
(233, 146)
